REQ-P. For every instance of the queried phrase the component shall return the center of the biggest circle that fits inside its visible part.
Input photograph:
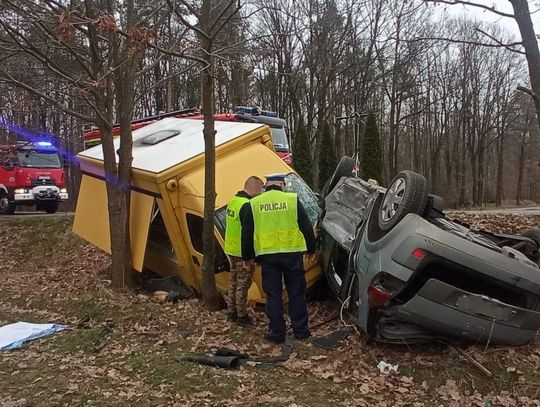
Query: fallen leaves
(138, 366)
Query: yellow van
(168, 196)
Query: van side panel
(92, 218)
(233, 169)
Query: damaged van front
(167, 194)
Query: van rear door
(92, 218)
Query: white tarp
(13, 336)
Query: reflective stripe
(275, 217)
(233, 228)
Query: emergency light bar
(254, 111)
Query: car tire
(533, 234)
(344, 168)
(406, 194)
(6, 207)
(49, 206)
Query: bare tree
(522, 16)
(212, 16)
(95, 49)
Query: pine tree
(371, 163)
(302, 160)
(327, 156)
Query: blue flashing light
(44, 143)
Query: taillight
(418, 254)
(378, 298)
(382, 289)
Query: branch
(470, 3)
(168, 51)
(48, 98)
(527, 91)
(177, 54)
(185, 22)
(156, 84)
(227, 19)
(456, 41)
(507, 46)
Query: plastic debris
(13, 336)
(385, 367)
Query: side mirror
(8, 165)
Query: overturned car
(405, 272)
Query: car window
(195, 227)
(279, 138)
(219, 220)
(293, 183)
(38, 159)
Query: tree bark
(522, 15)
(212, 299)
(521, 168)
(500, 170)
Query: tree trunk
(212, 299)
(521, 167)
(500, 170)
(158, 91)
(522, 15)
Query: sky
(484, 15)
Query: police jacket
(248, 227)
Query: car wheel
(6, 207)
(533, 234)
(406, 194)
(49, 206)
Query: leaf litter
(137, 364)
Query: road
(532, 210)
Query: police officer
(241, 273)
(277, 232)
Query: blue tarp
(13, 336)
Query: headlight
(21, 191)
(63, 190)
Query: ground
(122, 348)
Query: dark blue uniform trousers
(290, 268)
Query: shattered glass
(345, 209)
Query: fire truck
(31, 173)
(278, 126)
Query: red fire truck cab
(31, 173)
(278, 126)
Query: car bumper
(463, 315)
(49, 194)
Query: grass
(53, 277)
(85, 340)
(89, 308)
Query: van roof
(188, 143)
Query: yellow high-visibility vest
(275, 218)
(233, 227)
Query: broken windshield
(293, 183)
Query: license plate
(44, 177)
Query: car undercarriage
(405, 272)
